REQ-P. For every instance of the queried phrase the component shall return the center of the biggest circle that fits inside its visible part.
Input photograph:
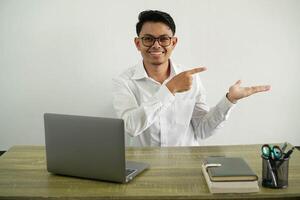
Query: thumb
(238, 82)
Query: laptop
(88, 147)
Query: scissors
(271, 152)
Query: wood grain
(175, 173)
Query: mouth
(156, 53)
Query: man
(163, 104)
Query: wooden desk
(175, 173)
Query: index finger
(260, 88)
(197, 70)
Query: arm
(205, 121)
(138, 118)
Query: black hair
(155, 16)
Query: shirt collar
(140, 72)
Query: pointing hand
(183, 82)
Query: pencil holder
(275, 173)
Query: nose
(156, 44)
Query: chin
(158, 62)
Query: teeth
(156, 53)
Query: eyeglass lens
(164, 41)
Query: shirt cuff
(165, 96)
(225, 105)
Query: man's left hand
(237, 92)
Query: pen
(287, 155)
(284, 147)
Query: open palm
(237, 92)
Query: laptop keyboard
(130, 171)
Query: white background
(61, 55)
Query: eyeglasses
(163, 41)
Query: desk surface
(175, 173)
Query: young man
(163, 104)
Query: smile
(156, 52)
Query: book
(231, 169)
(228, 186)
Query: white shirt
(156, 117)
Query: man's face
(158, 53)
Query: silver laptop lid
(89, 147)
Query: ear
(174, 41)
(137, 43)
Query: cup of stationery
(275, 166)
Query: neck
(158, 72)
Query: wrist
(171, 88)
(230, 98)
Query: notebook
(229, 186)
(88, 147)
(230, 169)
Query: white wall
(60, 56)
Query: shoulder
(127, 74)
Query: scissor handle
(277, 152)
(266, 150)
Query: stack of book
(229, 175)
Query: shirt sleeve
(205, 121)
(138, 118)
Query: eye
(148, 39)
(164, 39)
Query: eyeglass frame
(157, 39)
